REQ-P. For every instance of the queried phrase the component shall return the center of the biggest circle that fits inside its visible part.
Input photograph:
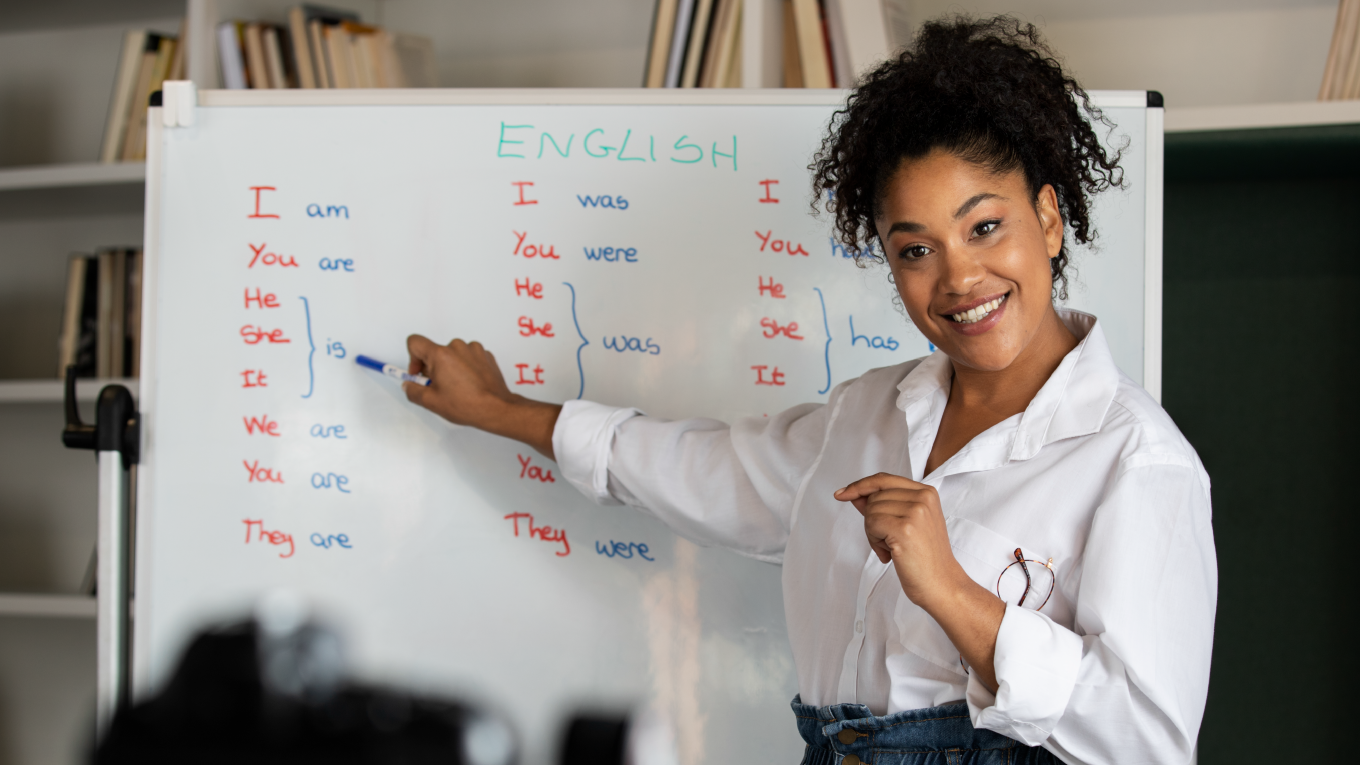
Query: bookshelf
(57, 64)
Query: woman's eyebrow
(973, 201)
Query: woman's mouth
(978, 313)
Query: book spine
(302, 54)
(811, 44)
(320, 55)
(698, 38)
(659, 48)
(229, 56)
(120, 105)
(68, 341)
(679, 37)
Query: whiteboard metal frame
(1152, 252)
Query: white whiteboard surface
(399, 210)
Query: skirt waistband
(851, 733)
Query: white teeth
(974, 315)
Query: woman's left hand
(905, 525)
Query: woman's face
(969, 251)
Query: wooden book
(302, 48)
(257, 70)
(69, 339)
(807, 19)
(124, 86)
(140, 96)
(273, 57)
(659, 48)
(695, 48)
(793, 65)
(321, 59)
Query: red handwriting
(520, 185)
(772, 329)
(538, 375)
(527, 328)
(257, 213)
(254, 335)
(775, 290)
(534, 471)
(546, 533)
(530, 288)
(261, 475)
(533, 250)
(780, 245)
(263, 424)
(768, 199)
(270, 259)
(268, 300)
(254, 378)
(271, 537)
(776, 377)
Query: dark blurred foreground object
(271, 692)
(639, 739)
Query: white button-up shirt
(1093, 474)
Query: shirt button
(847, 736)
(850, 759)
(859, 626)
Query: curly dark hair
(988, 90)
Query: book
(1348, 72)
(124, 85)
(696, 47)
(140, 96)
(675, 63)
(132, 325)
(719, 44)
(112, 312)
(811, 37)
(229, 55)
(320, 54)
(257, 71)
(658, 49)
(273, 57)
(177, 62)
(841, 74)
(135, 146)
(340, 55)
(68, 342)
(301, 48)
(793, 65)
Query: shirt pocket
(983, 554)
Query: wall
(1197, 53)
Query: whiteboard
(619, 246)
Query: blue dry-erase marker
(394, 372)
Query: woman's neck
(979, 399)
(1011, 389)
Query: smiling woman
(998, 553)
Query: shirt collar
(1071, 403)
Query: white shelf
(72, 176)
(47, 606)
(1250, 116)
(52, 391)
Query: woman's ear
(1046, 205)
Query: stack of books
(148, 59)
(322, 48)
(101, 328)
(826, 43)
(1341, 78)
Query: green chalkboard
(1262, 263)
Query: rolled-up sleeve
(715, 484)
(1128, 683)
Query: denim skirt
(849, 734)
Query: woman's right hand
(467, 388)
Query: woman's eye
(986, 227)
(914, 252)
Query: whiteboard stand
(114, 437)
